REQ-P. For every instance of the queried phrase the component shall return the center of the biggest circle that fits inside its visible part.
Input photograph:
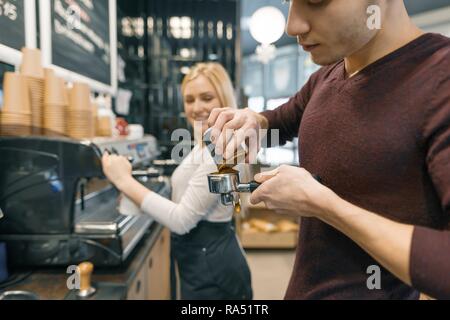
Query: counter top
(51, 284)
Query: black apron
(211, 263)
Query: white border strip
(30, 24)
(13, 56)
(46, 48)
(10, 56)
(113, 41)
(46, 39)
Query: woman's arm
(179, 218)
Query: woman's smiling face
(200, 98)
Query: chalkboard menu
(12, 23)
(80, 38)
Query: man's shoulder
(445, 51)
(431, 62)
(441, 41)
(436, 52)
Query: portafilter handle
(248, 187)
(253, 185)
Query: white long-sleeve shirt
(191, 199)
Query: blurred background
(159, 40)
(199, 30)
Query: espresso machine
(58, 207)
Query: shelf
(263, 240)
(134, 85)
(181, 59)
(253, 237)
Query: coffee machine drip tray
(99, 222)
(107, 222)
(120, 237)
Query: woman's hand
(117, 169)
(293, 191)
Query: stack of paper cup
(95, 116)
(15, 117)
(80, 121)
(105, 122)
(32, 69)
(55, 103)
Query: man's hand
(293, 191)
(231, 127)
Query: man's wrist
(339, 212)
(330, 206)
(263, 121)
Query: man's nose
(297, 25)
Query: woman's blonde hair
(218, 77)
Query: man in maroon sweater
(374, 124)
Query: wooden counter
(146, 274)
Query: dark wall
(154, 60)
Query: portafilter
(226, 180)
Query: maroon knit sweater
(380, 140)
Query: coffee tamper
(84, 271)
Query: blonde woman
(210, 260)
